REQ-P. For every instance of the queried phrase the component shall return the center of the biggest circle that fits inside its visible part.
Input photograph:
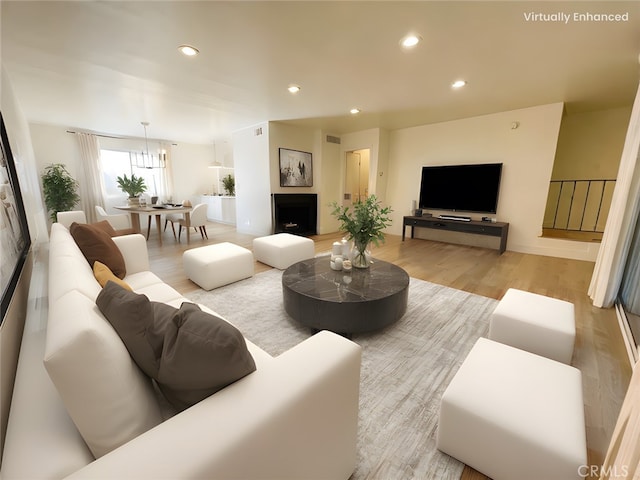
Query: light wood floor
(599, 351)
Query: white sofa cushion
(77, 274)
(109, 399)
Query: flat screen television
(461, 188)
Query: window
(115, 163)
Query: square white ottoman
(217, 265)
(535, 323)
(512, 415)
(282, 249)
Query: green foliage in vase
(133, 186)
(229, 185)
(60, 190)
(364, 222)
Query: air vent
(258, 131)
(332, 139)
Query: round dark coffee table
(345, 302)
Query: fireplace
(295, 213)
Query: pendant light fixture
(144, 159)
(215, 163)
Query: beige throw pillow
(103, 275)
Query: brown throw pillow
(96, 245)
(106, 227)
(189, 353)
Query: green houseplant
(60, 190)
(229, 185)
(364, 224)
(134, 186)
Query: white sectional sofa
(295, 417)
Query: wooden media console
(497, 229)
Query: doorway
(356, 183)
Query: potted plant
(364, 224)
(60, 190)
(134, 187)
(229, 185)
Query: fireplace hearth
(295, 213)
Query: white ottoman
(216, 265)
(535, 323)
(282, 249)
(513, 415)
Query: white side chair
(67, 218)
(197, 220)
(173, 218)
(120, 221)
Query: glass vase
(360, 256)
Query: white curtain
(618, 232)
(167, 173)
(91, 189)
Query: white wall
(396, 158)
(191, 175)
(375, 140)
(590, 144)
(51, 144)
(294, 138)
(330, 186)
(25, 296)
(25, 159)
(327, 167)
(253, 184)
(527, 154)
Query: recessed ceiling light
(458, 84)
(354, 111)
(188, 50)
(293, 88)
(410, 40)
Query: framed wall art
(296, 168)
(14, 231)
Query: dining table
(156, 210)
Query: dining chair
(197, 220)
(173, 218)
(120, 221)
(67, 218)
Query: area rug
(405, 367)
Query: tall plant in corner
(364, 225)
(60, 190)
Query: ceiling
(107, 66)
